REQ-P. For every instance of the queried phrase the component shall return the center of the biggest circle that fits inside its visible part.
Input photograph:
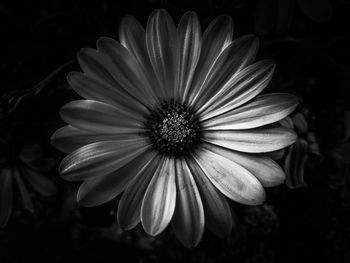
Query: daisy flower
(298, 154)
(174, 120)
(24, 171)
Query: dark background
(310, 41)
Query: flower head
(28, 167)
(298, 153)
(173, 119)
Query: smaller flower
(29, 167)
(298, 153)
(340, 157)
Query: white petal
(129, 209)
(94, 89)
(133, 36)
(100, 190)
(262, 110)
(268, 172)
(188, 220)
(99, 117)
(99, 66)
(243, 87)
(68, 138)
(217, 211)
(163, 49)
(254, 140)
(216, 38)
(91, 62)
(190, 48)
(126, 70)
(158, 204)
(239, 54)
(100, 158)
(234, 181)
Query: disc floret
(173, 128)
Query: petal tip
(270, 63)
(259, 198)
(123, 224)
(82, 201)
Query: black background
(310, 41)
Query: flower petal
(98, 65)
(254, 141)
(263, 110)
(188, 220)
(91, 62)
(126, 70)
(247, 84)
(6, 196)
(94, 89)
(27, 201)
(268, 172)
(129, 209)
(40, 182)
(163, 49)
(300, 123)
(34, 157)
(42, 164)
(158, 204)
(99, 117)
(240, 53)
(276, 155)
(216, 38)
(30, 153)
(102, 189)
(231, 179)
(190, 48)
(287, 122)
(133, 36)
(100, 158)
(295, 164)
(217, 211)
(68, 138)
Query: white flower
(172, 118)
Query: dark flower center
(173, 128)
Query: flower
(26, 168)
(173, 120)
(298, 153)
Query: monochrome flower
(298, 153)
(28, 168)
(174, 120)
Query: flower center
(173, 128)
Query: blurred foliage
(310, 41)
